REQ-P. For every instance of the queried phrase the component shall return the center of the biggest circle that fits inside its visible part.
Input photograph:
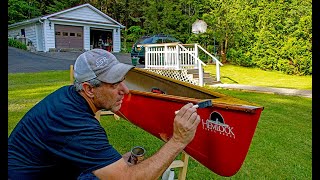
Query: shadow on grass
(226, 77)
(229, 80)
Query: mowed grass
(281, 147)
(27, 89)
(231, 74)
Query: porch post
(218, 71)
(199, 65)
(178, 64)
(146, 57)
(165, 60)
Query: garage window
(79, 34)
(58, 33)
(65, 33)
(72, 34)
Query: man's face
(109, 96)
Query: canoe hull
(223, 136)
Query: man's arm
(184, 128)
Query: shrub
(16, 44)
(238, 57)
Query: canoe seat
(100, 112)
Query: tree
(19, 10)
(222, 19)
(271, 35)
(59, 5)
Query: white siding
(30, 31)
(14, 32)
(49, 38)
(83, 14)
(67, 23)
(86, 38)
(40, 35)
(116, 41)
(33, 33)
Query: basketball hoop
(199, 26)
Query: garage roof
(63, 15)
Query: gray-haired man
(59, 138)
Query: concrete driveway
(20, 61)
(23, 61)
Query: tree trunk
(224, 45)
(223, 53)
(224, 57)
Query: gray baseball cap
(99, 64)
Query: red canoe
(226, 129)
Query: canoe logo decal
(216, 124)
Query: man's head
(99, 64)
(99, 75)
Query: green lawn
(231, 74)
(281, 147)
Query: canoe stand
(182, 164)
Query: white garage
(82, 27)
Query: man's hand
(184, 129)
(185, 125)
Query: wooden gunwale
(245, 108)
(199, 93)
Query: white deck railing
(177, 56)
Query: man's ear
(88, 89)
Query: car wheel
(141, 61)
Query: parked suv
(138, 49)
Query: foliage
(126, 47)
(270, 35)
(59, 5)
(238, 57)
(134, 33)
(17, 44)
(19, 10)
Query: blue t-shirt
(59, 138)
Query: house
(82, 27)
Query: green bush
(126, 47)
(238, 57)
(16, 44)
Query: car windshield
(170, 39)
(142, 39)
(147, 41)
(156, 39)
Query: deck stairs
(181, 62)
(208, 79)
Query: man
(59, 138)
